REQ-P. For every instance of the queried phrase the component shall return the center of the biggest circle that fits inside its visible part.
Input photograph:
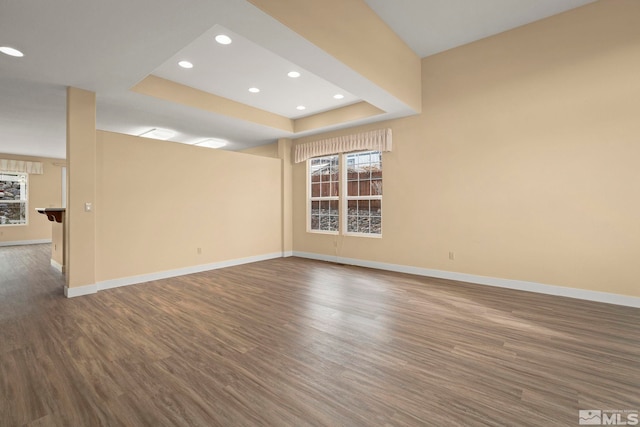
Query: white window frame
(24, 196)
(343, 198)
(320, 199)
(346, 198)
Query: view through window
(361, 204)
(13, 198)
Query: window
(13, 198)
(364, 193)
(361, 201)
(324, 190)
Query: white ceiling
(230, 70)
(109, 46)
(432, 26)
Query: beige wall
(267, 150)
(45, 191)
(524, 161)
(57, 244)
(158, 202)
(80, 222)
(281, 150)
(351, 32)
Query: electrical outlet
(88, 207)
(452, 255)
(199, 250)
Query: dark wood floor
(293, 342)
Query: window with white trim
(349, 202)
(324, 192)
(13, 198)
(363, 193)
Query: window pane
(333, 207)
(334, 166)
(13, 187)
(315, 190)
(363, 225)
(335, 189)
(13, 213)
(13, 198)
(376, 170)
(376, 217)
(376, 187)
(365, 187)
(333, 223)
(352, 188)
(352, 216)
(315, 215)
(325, 189)
(324, 176)
(376, 208)
(363, 216)
(315, 222)
(364, 179)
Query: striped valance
(22, 166)
(379, 140)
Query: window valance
(22, 166)
(379, 140)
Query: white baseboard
(521, 285)
(132, 280)
(57, 266)
(78, 291)
(25, 242)
(287, 254)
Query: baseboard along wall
(521, 285)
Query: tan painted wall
(281, 150)
(267, 150)
(159, 201)
(57, 243)
(524, 162)
(175, 92)
(351, 32)
(285, 154)
(45, 191)
(341, 115)
(80, 230)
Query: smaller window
(324, 184)
(13, 198)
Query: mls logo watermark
(592, 417)
(600, 417)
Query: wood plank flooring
(294, 342)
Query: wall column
(81, 193)
(284, 153)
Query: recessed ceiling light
(338, 96)
(11, 51)
(254, 90)
(223, 39)
(185, 64)
(301, 107)
(212, 143)
(293, 74)
(158, 133)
